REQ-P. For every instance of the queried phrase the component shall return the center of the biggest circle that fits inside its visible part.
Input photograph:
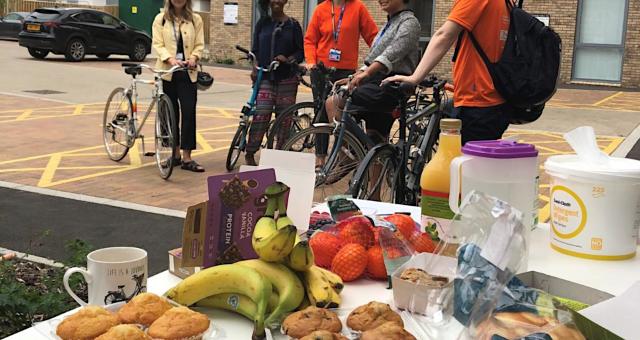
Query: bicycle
(119, 295)
(348, 143)
(391, 172)
(303, 114)
(120, 128)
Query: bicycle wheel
(234, 148)
(115, 124)
(301, 115)
(376, 180)
(165, 137)
(334, 180)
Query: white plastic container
(504, 169)
(595, 209)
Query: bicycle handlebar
(156, 71)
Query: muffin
(143, 309)
(324, 335)
(309, 320)
(388, 331)
(87, 323)
(179, 323)
(423, 278)
(371, 316)
(124, 332)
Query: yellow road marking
(613, 146)
(49, 155)
(600, 102)
(225, 113)
(78, 110)
(65, 168)
(218, 128)
(203, 143)
(50, 170)
(134, 155)
(25, 114)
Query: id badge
(180, 56)
(334, 55)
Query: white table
(613, 277)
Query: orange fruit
(375, 265)
(356, 229)
(350, 262)
(325, 246)
(422, 243)
(405, 224)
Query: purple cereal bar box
(236, 202)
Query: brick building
(598, 36)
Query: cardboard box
(419, 298)
(175, 265)
(574, 291)
(219, 230)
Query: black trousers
(482, 123)
(184, 95)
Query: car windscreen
(44, 14)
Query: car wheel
(103, 56)
(38, 53)
(139, 52)
(76, 50)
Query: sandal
(192, 166)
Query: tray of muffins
(145, 317)
(373, 321)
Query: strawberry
(350, 262)
(422, 243)
(375, 266)
(404, 223)
(325, 246)
(356, 229)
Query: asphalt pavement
(41, 224)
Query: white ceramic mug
(113, 275)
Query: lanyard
(384, 30)
(175, 33)
(336, 32)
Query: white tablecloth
(613, 277)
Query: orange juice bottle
(434, 181)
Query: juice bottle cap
(450, 124)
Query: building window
(600, 40)
(423, 10)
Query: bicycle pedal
(149, 154)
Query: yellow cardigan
(166, 46)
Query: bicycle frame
(132, 92)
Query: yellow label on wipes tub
(568, 212)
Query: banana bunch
(323, 287)
(274, 239)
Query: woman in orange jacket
(334, 32)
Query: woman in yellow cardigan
(178, 39)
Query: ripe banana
(289, 287)
(237, 303)
(319, 290)
(334, 279)
(301, 257)
(228, 278)
(266, 225)
(276, 246)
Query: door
(11, 25)
(600, 37)
(117, 38)
(91, 27)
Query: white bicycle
(121, 126)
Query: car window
(13, 16)
(45, 14)
(87, 17)
(109, 20)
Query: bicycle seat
(133, 70)
(120, 287)
(129, 64)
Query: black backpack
(526, 75)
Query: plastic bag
(487, 240)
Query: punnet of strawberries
(352, 248)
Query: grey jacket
(398, 48)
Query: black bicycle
(303, 114)
(391, 172)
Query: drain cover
(43, 91)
